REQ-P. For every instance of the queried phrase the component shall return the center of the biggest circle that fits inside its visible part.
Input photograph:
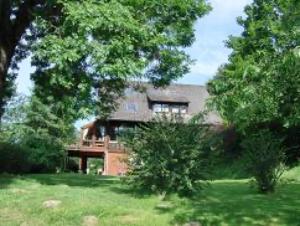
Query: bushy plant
(34, 127)
(95, 165)
(72, 165)
(14, 159)
(168, 155)
(264, 156)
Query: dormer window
(169, 108)
(160, 108)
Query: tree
(259, 88)
(168, 156)
(261, 82)
(16, 19)
(31, 131)
(89, 48)
(264, 157)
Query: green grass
(224, 202)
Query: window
(131, 107)
(183, 109)
(165, 108)
(157, 108)
(175, 109)
(161, 108)
(172, 108)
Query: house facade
(140, 104)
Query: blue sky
(208, 50)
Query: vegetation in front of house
(264, 158)
(259, 87)
(260, 83)
(224, 202)
(169, 156)
(33, 137)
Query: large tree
(260, 85)
(95, 46)
(16, 19)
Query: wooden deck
(92, 148)
(110, 151)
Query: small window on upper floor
(169, 108)
(175, 109)
(131, 107)
(183, 109)
(165, 108)
(157, 108)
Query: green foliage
(14, 159)
(169, 156)
(94, 165)
(85, 49)
(33, 126)
(72, 165)
(98, 46)
(261, 82)
(264, 156)
(260, 85)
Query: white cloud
(204, 69)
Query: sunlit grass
(224, 202)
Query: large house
(99, 139)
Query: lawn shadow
(6, 180)
(114, 184)
(233, 203)
(124, 188)
(78, 180)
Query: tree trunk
(4, 64)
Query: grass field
(224, 202)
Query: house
(99, 139)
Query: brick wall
(115, 163)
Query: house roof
(134, 106)
(158, 96)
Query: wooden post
(93, 140)
(105, 161)
(106, 156)
(83, 164)
(81, 137)
(106, 142)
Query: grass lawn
(224, 202)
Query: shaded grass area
(224, 202)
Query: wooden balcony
(94, 148)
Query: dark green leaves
(169, 156)
(97, 41)
(261, 82)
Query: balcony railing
(106, 143)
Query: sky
(208, 51)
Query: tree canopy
(261, 84)
(85, 51)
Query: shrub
(72, 165)
(264, 156)
(169, 156)
(34, 127)
(14, 159)
(94, 165)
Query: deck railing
(93, 143)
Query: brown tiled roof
(136, 105)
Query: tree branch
(23, 19)
(5, 13)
